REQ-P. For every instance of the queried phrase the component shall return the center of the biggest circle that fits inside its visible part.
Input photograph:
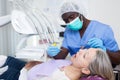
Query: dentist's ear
(85, 71)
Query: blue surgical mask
(76, 24)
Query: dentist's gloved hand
(96, 43)
(53, 51)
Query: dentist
(84, 33)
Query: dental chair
(117, 72)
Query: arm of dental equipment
(4, 20)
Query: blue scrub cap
(72, 7)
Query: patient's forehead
(85, 56)
(91, 52)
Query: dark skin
(68, 17)
(114, 57)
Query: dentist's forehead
(66, 15)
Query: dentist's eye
(71, 17)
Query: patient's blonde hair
(101, 65)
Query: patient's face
(83, 58)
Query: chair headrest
(92, 78)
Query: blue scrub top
(73, 41)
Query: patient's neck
(72, 72)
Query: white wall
(106, 11)
(3, 31)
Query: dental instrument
(37, 22)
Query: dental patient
(86, 63)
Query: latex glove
(53, 51)
(96, 43)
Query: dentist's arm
(114, 57)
